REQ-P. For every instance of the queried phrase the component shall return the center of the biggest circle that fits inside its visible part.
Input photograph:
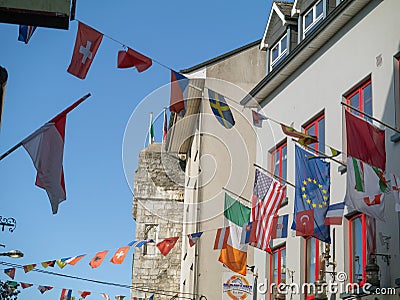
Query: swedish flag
(220, 109)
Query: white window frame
(280, 53)
(313, 9)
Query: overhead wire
(131, 287)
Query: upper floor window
(316, 127)
(278, 266)
(313, 17)
(360, 97)
(362, 244)
(279, 51)
(279, 160)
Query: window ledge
(395, 138)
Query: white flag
(46, 148)
(364, 190)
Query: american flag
(268, 194)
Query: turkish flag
(98, 259)
(167, 244)
(87, 42)
(120, 255)
(132, 58)
(305, 223)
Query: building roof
(285, 7)
(339, 17)
(220, 57)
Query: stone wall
(158, 211)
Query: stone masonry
(158, 212)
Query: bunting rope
(139, 289)
(126, 46)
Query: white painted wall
(319, 85)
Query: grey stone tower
(158, 212)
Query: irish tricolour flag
(234, 256)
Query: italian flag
(365, 188)
(234, 256)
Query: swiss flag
(305, 223)
(87, 42)
(167, 244)
(120, 255)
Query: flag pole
(276, 176)
(371, 117)
(64, 112)
(322, 153)
(225, 189)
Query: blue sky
(97, 214)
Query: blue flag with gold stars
(312, 191)
(220, 109)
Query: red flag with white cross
(120, 255)
(87, 42)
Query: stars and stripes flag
(268, 194)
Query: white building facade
(319, 54)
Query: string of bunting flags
(66, 294)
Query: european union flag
(312, 191)
(220, 109)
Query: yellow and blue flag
(220, 109)
(312, 193)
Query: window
(311, 262)
(279, 160)
(317, 128)
(313, 17)
(361, 98)
(278, 266)
(279, 51)
(362, 244)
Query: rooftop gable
(280, 10)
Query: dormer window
(313, 17)
(279, 51)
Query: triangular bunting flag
(10, 272)
(28, 268)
